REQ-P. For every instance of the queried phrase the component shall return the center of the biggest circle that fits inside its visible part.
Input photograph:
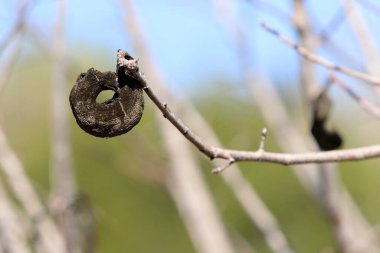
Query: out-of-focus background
(62, 190)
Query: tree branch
(362, 102)
(320, 60)
(131, 68)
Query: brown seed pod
(113, 117)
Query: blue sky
(188, 40)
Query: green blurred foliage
(124, 176)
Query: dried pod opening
(105, 96)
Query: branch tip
(264, 134)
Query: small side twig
(320, 60)
(222, 168)
(354, 154)
(264, 134)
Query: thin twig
(320, 60)
(212, 152)
(222, 168)
(362, 102)
(323, 37)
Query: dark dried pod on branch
(113, 117)
(326, 139)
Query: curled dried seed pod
(113, 117)
(326, 139)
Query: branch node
(165, 106)
(212, 156)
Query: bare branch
(320, 60)
(237, 155)
(363, 103)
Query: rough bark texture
(113, 117)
